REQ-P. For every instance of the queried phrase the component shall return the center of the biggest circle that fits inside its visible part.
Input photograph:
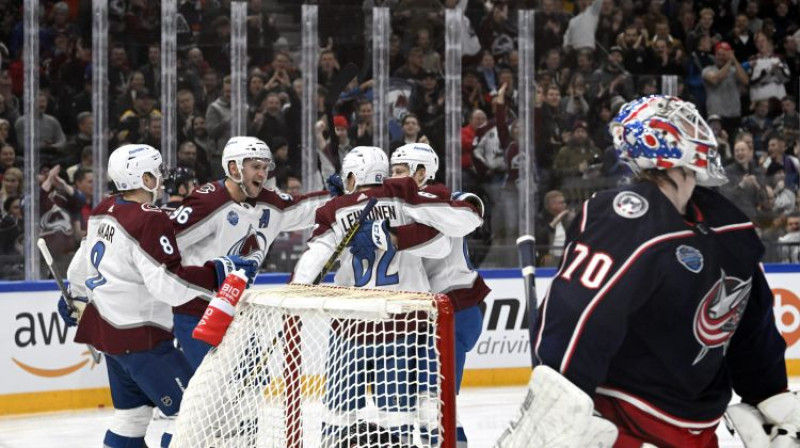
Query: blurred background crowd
(737, 60)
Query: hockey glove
(471, 198)
(226, 265)
(71, 316)
(335, 185)
(372, 235)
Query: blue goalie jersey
(663, 311)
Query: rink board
(43, 370)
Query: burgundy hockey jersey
(663, 311)
(130, 267)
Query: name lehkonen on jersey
(381, 211)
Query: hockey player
(180, 183)
(452, 275)
(234, 216)
(660, 307)
(391, 262)
(129, 270)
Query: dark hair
(9, 200)
(656, 176)
(407, 116)
(80, 174)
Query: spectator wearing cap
(50, 133)
(575, 157)
(331, 158)
(581, 30)
(411, 133)
(722, 82)
(746, 180)
(768, 72)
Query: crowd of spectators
(736, 60)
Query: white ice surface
(484, 412)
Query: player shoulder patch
(233, 218)
(151, 208)
(690, 257)
(207, 188)
(427, 195)
(630, 205)
(285, 196)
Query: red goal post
(329, 367)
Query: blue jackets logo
(719, 313)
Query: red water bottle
(219, 313)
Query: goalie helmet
(368, 165)
(178, 176)
(416, 155)
(662, 132)
(240, 148)
(128, 163)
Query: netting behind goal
(326, 367)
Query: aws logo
(787, 315)
(48, 329)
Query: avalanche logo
(719, 313)
(253, 241)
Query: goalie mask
(128, 163)
(368, 165)
(237, 150)
(662, 132)
(415, 155)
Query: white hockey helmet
(662, 132)
(128, 163)
(368, 164)
(416, 155)
(242, 147)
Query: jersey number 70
(596, 268)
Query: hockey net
(326, 367)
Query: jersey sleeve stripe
(545, 301)
(651, 409)
(587, 312)
(585, 215)
(733, 227)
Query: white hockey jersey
(129, 267)
(209, 224)
(401, 203)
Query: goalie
(660, 308)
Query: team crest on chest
(719, 313)
(233, 218)
(630, 205)
(254, 241)
(690, 258)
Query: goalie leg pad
(557, 414)
(783, 412)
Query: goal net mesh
(316, 366)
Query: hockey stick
(48, 258)
(348, 237)
(526, 246)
